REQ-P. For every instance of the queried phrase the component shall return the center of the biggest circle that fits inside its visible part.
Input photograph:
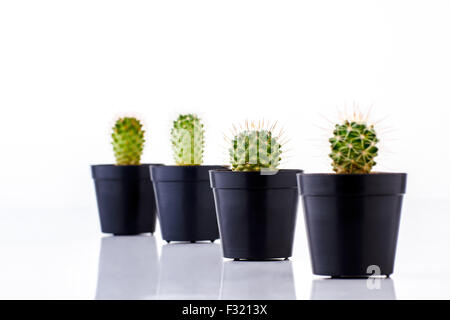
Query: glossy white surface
(68, 69)
(62, 255)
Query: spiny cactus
(187, 140)
(128, 141)
(254, 149)
(353, 147)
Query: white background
(68, 69)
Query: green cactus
(253, 150)
(128, 141)
(353, 147)
(187, 140)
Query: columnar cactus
(254, 149)
(128, 141)
(187, 140)
(353, 147)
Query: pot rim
(195, 173)
(299, 171)
(131, 165)
(193, 166)
(228, 179)
(115, 172)
(377, 173)
(370, 184)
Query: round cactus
(187, 140)
(253, 150)
(353, 147)
(128, 141)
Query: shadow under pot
(352, 222)
(256, 213)
(125, 198)
(185, 203)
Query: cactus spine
(254, 149)
(128, 141)
(187, 136)
(353, 147)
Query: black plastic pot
(256, 213)
(125, 199)
(185, 203)
(352, 222)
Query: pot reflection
(128, 268)
(190, 271)
(353, 289)
(269, 280)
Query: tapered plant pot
(185, 203)
(256, 213)
(125, 199)
(352, 222)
